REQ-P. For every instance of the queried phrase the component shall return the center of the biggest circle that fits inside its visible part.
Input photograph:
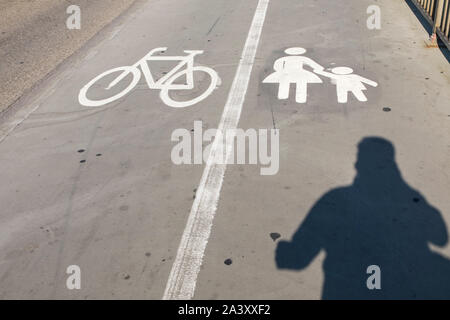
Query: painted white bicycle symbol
(165, 83)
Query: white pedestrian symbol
(166, 83)
(346, 82)
(290, 70)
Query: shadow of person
(378, 220)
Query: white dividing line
(183, 276)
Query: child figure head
(295, 51)
(342, 70)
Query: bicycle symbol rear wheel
(85, 101)
(165, 97)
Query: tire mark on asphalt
(69, 210)
(214, 24)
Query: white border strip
(13, 121)
(183, 276)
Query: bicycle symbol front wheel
(165, 97)
(85, 101)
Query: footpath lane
(319, 152)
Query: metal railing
(437, 12)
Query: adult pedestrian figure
(290, 70)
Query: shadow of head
(375, 154)
(378, 220)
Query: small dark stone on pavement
(275, 236)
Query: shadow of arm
(291, 256)
(307, 242)
(438, 234)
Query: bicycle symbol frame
(165, 83)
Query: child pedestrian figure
(346, 82)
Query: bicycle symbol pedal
(166, 83)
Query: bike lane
(96, 187)
(318, 152)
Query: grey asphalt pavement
(95, 186)
(34, 39)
